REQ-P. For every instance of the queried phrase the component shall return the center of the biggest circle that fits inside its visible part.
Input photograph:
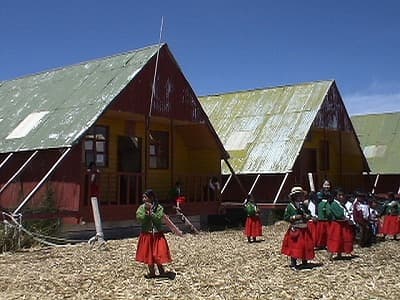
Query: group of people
(330, 220)
(325, 220)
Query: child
(341, 234)
(297, 242)
(176, 194)
(253, 226)
(324, 216)
(391, 221)
(152, 248)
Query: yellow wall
(345, 160)
(182, 160)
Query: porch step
(183, 223)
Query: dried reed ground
(216, 265)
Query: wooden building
(379, 135)
(54, 123)
(277, 136)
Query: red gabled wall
(174, 98)
(65, 181)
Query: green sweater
(150, 222)
(291, 211)
(324, 211)
(251, 209)
(337, 210)
(392, 209)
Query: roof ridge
(81, 63)
(268, 88)
(377, 114)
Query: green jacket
(337, 210)
(324, 211)
(290, 211)
(392, 209)
(251, 209)
(150, 223)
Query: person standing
(253, 227)
(324, 219)
(177, 196)
(361, 216)
(340, 234)
(297, 242)
(93, 175)
(152, 247)
(391, 220)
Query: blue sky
(221, 46)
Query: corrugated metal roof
(263, 130)
(379, 135)
(73, 97)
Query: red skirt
(321, 235)
(340, 237)
(298, 244)
(153, 249)
(312, 227)
(181, 200)
(391, 225)
(253, 226)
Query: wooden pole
(281, 187)
(18, 171)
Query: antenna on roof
(153, 87)
(153, 91)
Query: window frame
(92, 146)
(159, 150)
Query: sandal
(150, 276)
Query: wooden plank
(186, 220)
(172, 226)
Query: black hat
(150, 193)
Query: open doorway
(129, 169)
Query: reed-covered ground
(211, 265)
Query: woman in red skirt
(391, 220)
(297, 242)
(341, 235)
(152, 248)
(253, 226)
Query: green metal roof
(53, 109)
(264, 130)
(379, 135)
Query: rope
(41, 238)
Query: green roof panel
(69, 100)
(379, 135)
(263, 130)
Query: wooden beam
(40, 183)
(5, 160)
(281, 187)
(254, 184)
(226, 184)
(18, 171)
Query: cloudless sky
(221, 46)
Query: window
(159, 150)
(96, 144)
